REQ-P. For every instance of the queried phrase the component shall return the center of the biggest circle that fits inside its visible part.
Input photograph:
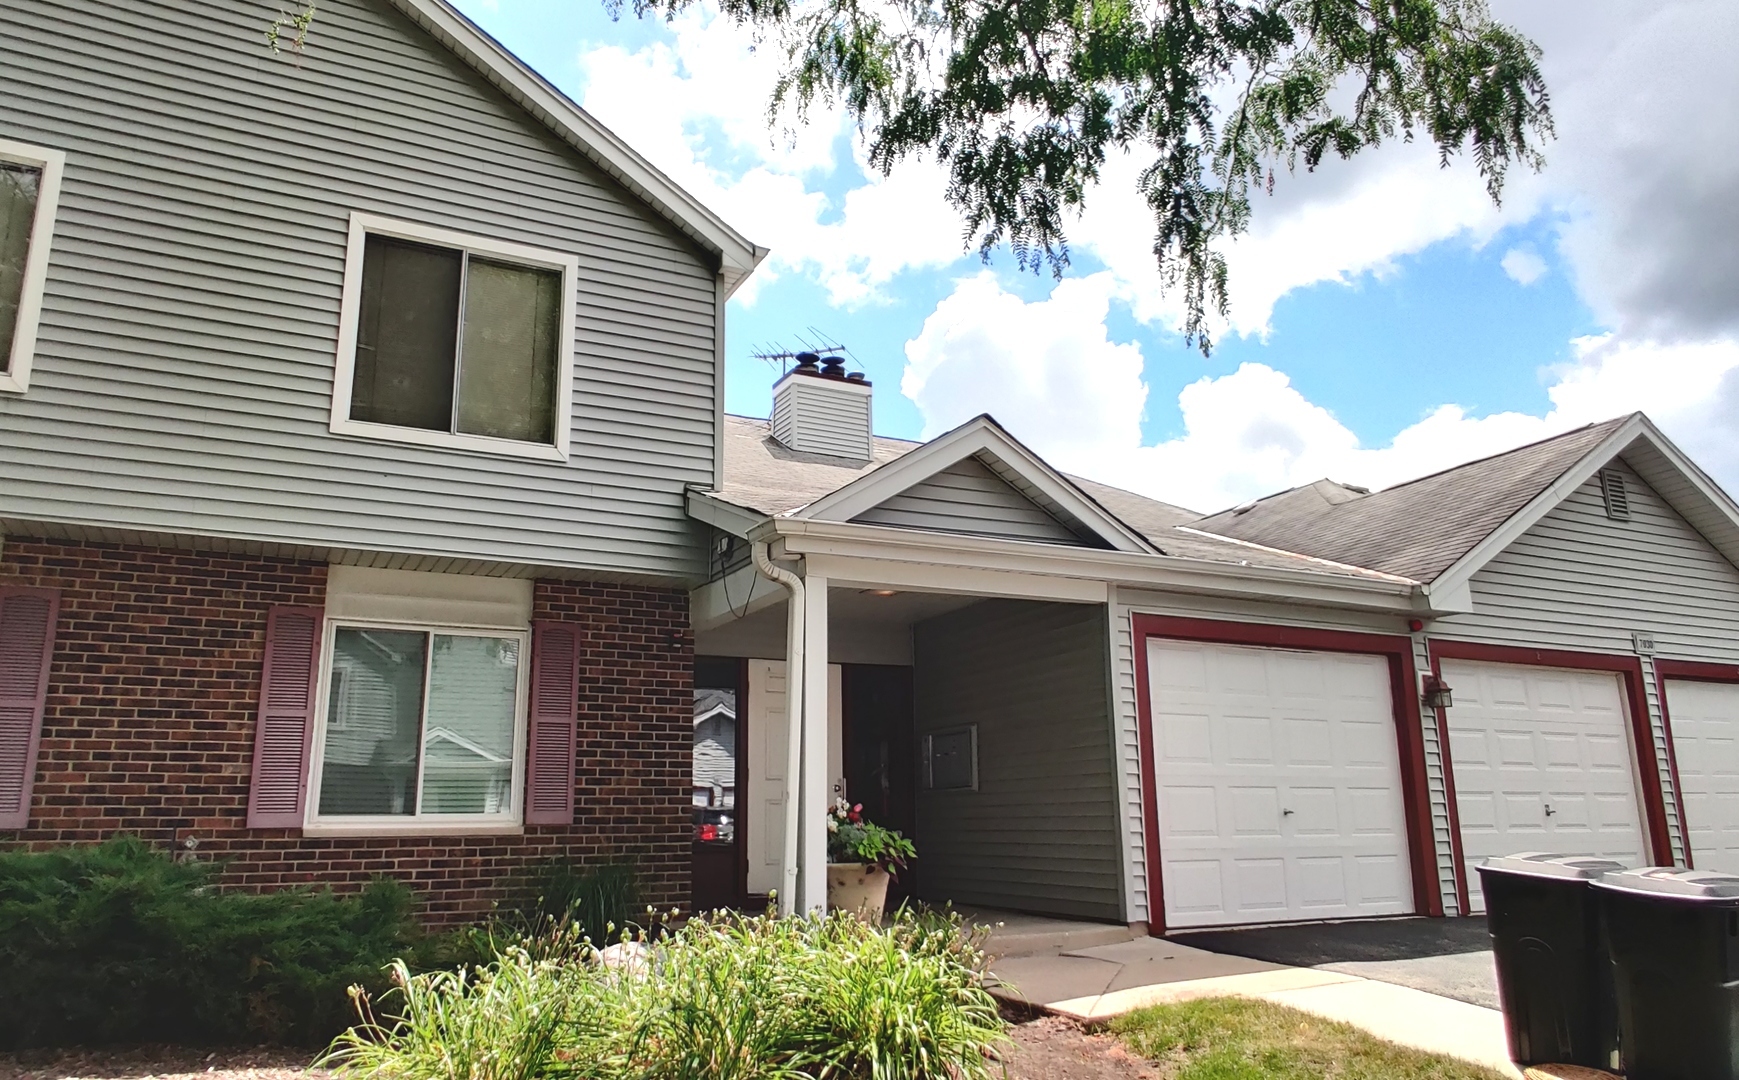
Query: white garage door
(1705, 718)
(1279, 785)
(1542, 763)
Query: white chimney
(819, 409)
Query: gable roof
(737, 256)
(765, 479)
(1443, 527)
(987, 441)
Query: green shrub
(726, 998)
(115, 942)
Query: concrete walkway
(1096, 983)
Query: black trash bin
(1674, 938)
(1553, 976)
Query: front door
(880, 753)
(765, 818)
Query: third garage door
(1705, 718)
(1279, 785)
(1542, 763)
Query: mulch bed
(1051, 1048)
(1045, 1048)
(160, 1063)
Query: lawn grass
(1240, 1039)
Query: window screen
(405, 336)
(455, 342)
(20, 186)
(507, 364)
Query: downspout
(793, 715)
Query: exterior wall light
(881, 592)
(1437, 694)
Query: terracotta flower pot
(860, 888)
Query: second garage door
(1705, 718)
(1279, 785)
(1542, 763)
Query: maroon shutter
(555, 708)
(27, 619)
(286, 728)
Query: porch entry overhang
(851, 558)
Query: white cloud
(1523, 265)
(696, 106)
(1051, 373)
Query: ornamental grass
(722, 998)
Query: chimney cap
(807, 360)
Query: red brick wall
(152, 705)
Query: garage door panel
(1191, 811)
(1194, 887)
(1249, 740)
(1542, 761)
(1305, 819)
(1705, 723)
(1255, 812)
(1309, 741)
(1187, 738)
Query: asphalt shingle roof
(764, 476)
(1414, 530)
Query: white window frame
(16, 378)
(349, 319)
(511, 823)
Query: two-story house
(369, 507)
(382, 368)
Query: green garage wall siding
(1041, 833)
(183, 376)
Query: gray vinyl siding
(1125, 604)
(1580, 581)
(1436, 791)
(967, 497)
(183, 373)
(1041, 832)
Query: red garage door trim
(1693, 671)
(1399, 652)
(1629, 668)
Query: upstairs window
(455, 341)
(29, 191)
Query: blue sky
(1387, 319)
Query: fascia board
(1710, 495)
(1136, 569)
(979, 435)
(1460, 574)
(738, 256)
(737, 520)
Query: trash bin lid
(1553, 865)
(1670, 881)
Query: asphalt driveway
(1448, 957)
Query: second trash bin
(1553, 975)
(1674, 937)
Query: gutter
(1133, 569)
(794, 629)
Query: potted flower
(862, 857)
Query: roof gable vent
(1614, 494)
(819, 409)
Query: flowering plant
(852, 839)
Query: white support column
(815, 784)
